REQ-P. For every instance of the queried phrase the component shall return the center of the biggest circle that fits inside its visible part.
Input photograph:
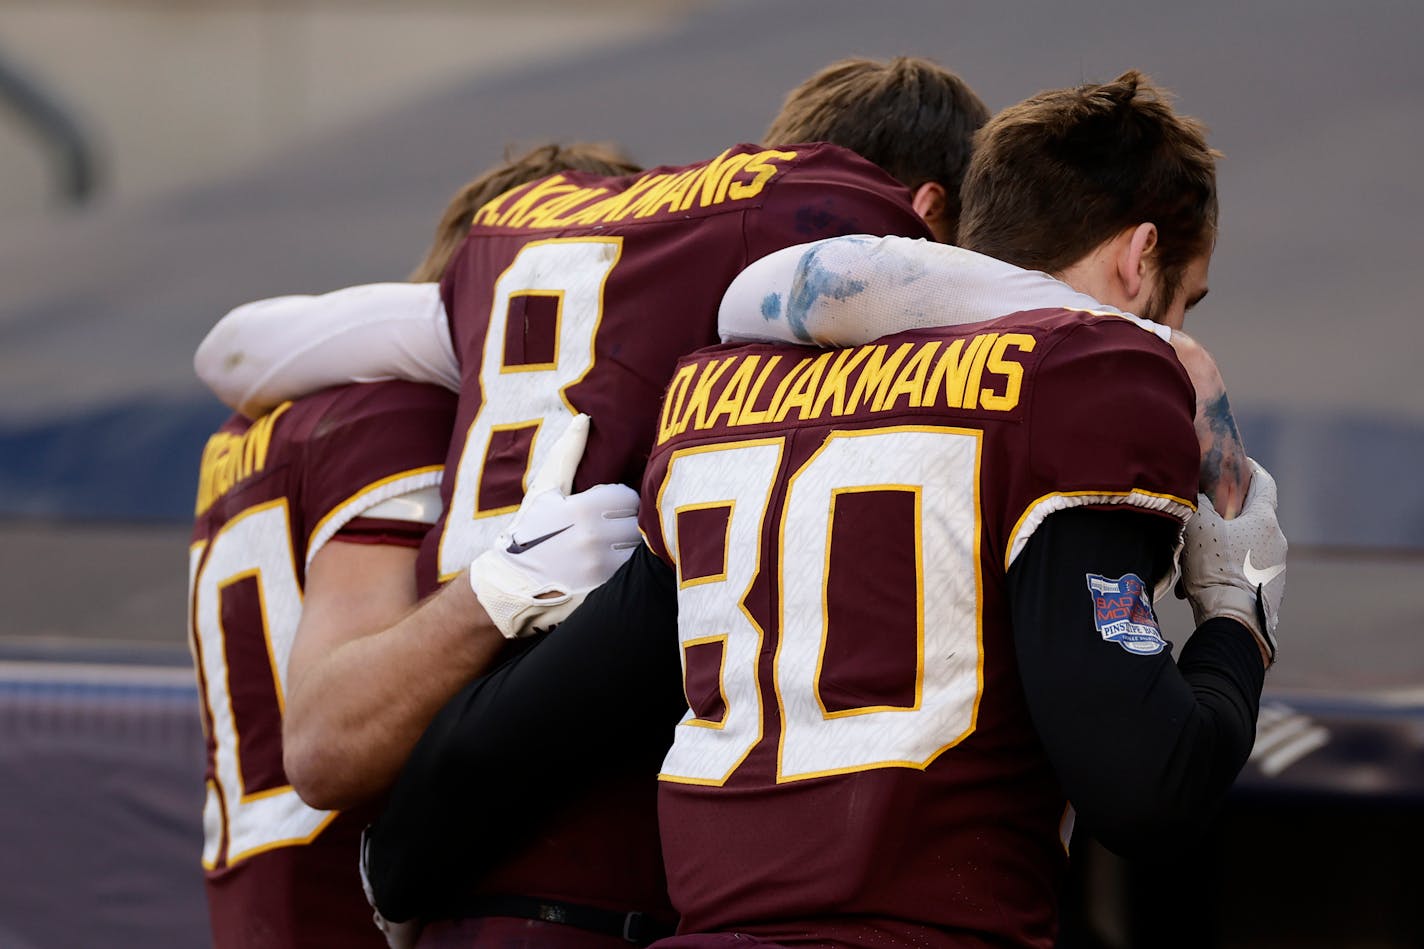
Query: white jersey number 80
(939, 467)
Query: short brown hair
(599, 158)
(912, 117)
(1060, 173)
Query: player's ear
(930, 203)
(1134, 256)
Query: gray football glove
(1237, 567)
(559, 546)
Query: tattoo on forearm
(1223, 455)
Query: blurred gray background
(162, 161)
(243, 149)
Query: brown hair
(540, 162)
(1060, 173)
(913, 118)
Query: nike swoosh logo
(517, 547)
(1260, 576)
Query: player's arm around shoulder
(268, 351)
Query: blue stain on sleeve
(814, 281)
(771, 306)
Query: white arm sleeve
(844, 291)
(264, 353)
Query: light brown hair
(1058, 174)
(597, 158)
(910, 116)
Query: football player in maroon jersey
(322, 734)
(327, 496)
(579, 293)
(307, 524)
(911, 584)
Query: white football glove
(559, 546)
(398, 935)
(1237, 567)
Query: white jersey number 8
(523, 402)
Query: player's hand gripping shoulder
(1237, 568)
(559, 546)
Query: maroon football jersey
(271, 493)
(578, 294)
(858, 765)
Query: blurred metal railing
(72, 154)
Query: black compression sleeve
(502, 751)
(1145, 748)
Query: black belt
(636, 928)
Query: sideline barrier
(101, 776)
(101, 795)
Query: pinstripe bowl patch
(1122, 613)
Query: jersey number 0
(249, 566)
